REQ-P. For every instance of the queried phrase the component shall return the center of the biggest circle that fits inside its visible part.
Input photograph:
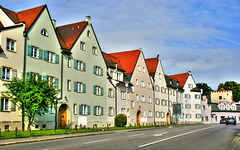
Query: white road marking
(160, 134)
(135, 135)
(175, 136)
(96, 141)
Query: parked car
(231, 121)
(223, 120)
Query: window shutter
(44, 78)
(75, 86)
(94, 110)
(94, 90)
(84, 66)
(40, 55)
(1, 104)
(56, 58)
(29, 50)
(84, 88)
(94, 69)
(89, 109)
(75, 64)
(102, 111)
(14, 73)
(0, 72)
(56, 83)
(101, 71)
(45, 55)
(80, 109)
(101, 91)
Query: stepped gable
(68, 34)
(29, 16)
(151, 64)
(181, 78)
(111, 59)
(128, 59)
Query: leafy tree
(120, 120)
(231, 85)
(206, 89)
(34, 94)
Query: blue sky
(201, 36)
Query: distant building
(221, 95)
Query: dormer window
(88, 34)
(44, 32)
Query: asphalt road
(176, 137)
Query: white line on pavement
(135, 135)
(160, 134)
(96, 141)
(175, 136)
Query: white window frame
(11, 45)
(6, 73)
(123, 95)
(84, 109)
(110, 111)
(74, 109)
(94, 50)
(149, 100)
(139, 68)
(82, 45)
(69, 62)
(6, 104)
(69, 85)
(132, 104)
(34, 52)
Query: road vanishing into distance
(212, 137)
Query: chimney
(158, 56)
(88, 19)
(140, 49)
(189, 72)
(54, 23)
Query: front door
(168, 118)
(138, 118)
(62, 117)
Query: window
(163, 102)
(157, 101)
(139, 68)
(203, 107)
(137, 97)
(149, 100)
(149, 86)
(98, 90)
(123, 110)
(110, 93)
(4, 104)
(144, 113)
(206, 118)
(220, 97)
(132, 103)
(74, 109)
(144, 70)
(88, 34)
(190, 86)
(197, 96)
(188, 116)
(150, 114)
(82, 45)
(44, 32)
(162, 114)
(143, 99)
(123, 95)
(197, 106)
(157, 114)
(79, 87)
(142, 84)
(111, 74)
(11, 44)
(159, 76)
(110, 111)
(51, 57)
(94, 50)
(98, 70)
(7, 127)
(188, 96)
(216, 118)
(170, 92)
(69, 85)
(188, 106)
(34, 52)
(136, 82)
(170, 104)
(84, 109)
(6, 73)
(163, 90)
(173, 93)
(69, 63)
(118, 76)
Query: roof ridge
(125, 51)
(66, 25)
(32, 8)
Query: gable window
(94, 50)
(4, 104)
(11, 44)
(132, 103)
(139, 68)
(136, 82)
(197, 96)
(123, 95)
(190, 86)
(44, 32)
(137, 97)
(88, 34)
(118, 76)
(82, 45)
(144, 70)
(149, 100)
(142, 84)
(157, 88)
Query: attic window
(44, 32)
(88, 34)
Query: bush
(120, 120)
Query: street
(175, 137)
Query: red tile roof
(28, 16)
(128, 59)
(68, 34)
(112, 59)
(181, 78)
(151, 64)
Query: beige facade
(221, 95)
(11, 65)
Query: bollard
(103, 127)
(16, 131)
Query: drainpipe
(154, 107)
(61, 91)
(24, 71)
(168, 104)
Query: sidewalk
(235, 145)
(4, 142)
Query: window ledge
(13, 51)
(5, 110)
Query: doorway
(62, 116)
(139, 115)
(168, 118)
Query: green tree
(206, 89)
(34, 94)
(231, 85)
(120, 120)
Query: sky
(200, 36)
